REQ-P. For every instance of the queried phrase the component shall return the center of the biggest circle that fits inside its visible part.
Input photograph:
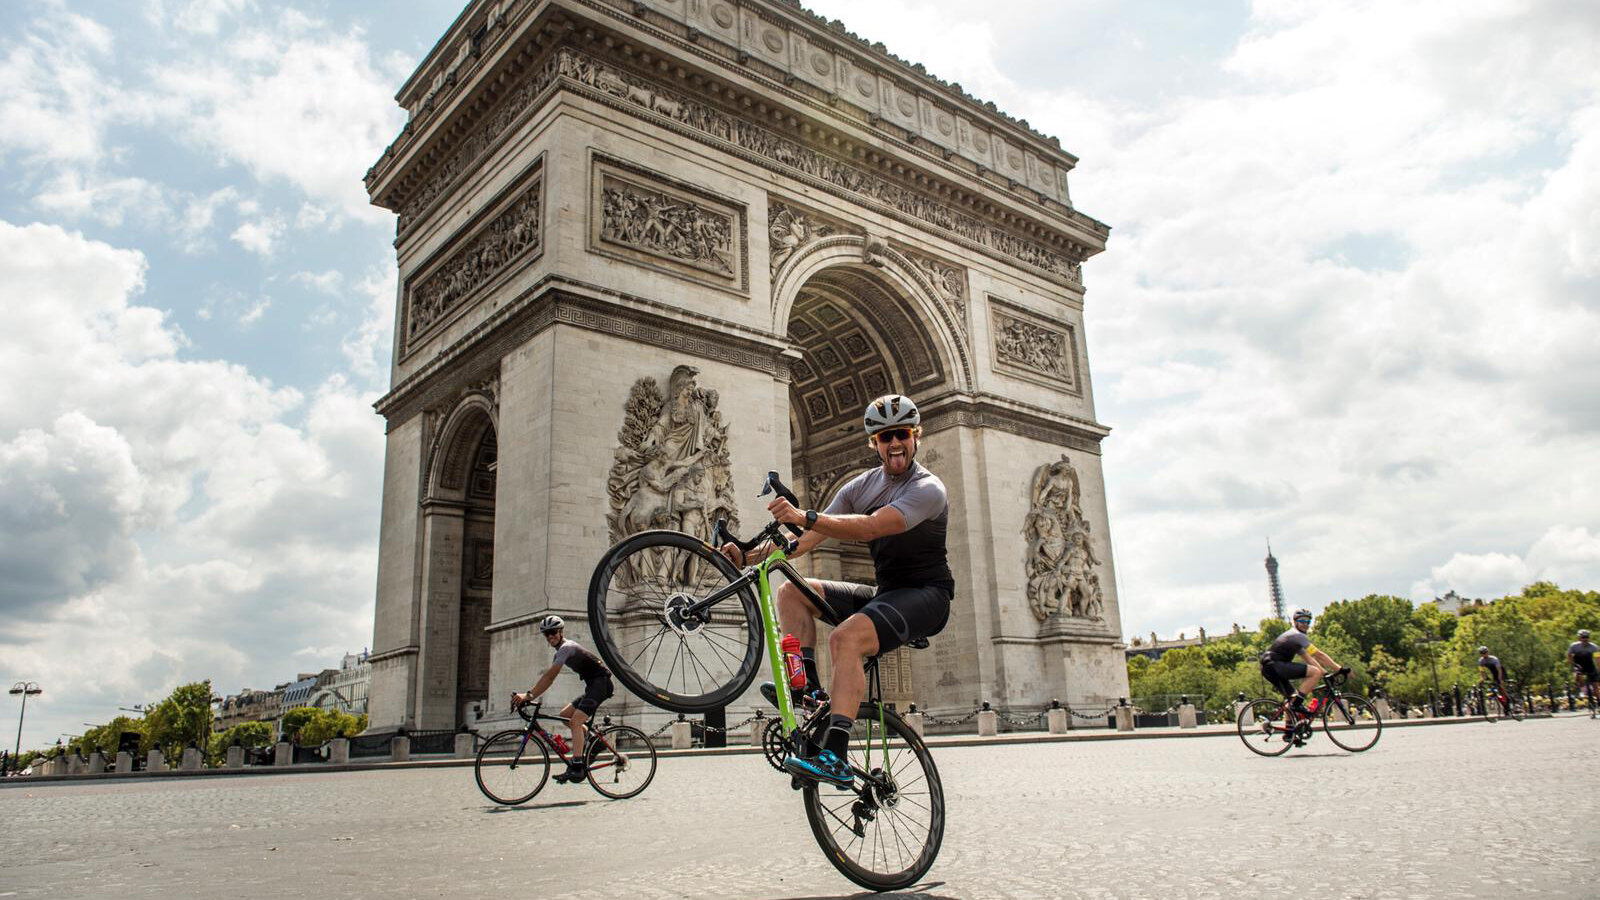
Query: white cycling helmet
(891, 411)
(551, 624)
(1301, 614)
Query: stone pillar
(758, 730)
(988, 722)
(914, 721)
(97, 763)
(74, 764)
(1187, 717)
(339, 751)
(399, 748)
(466, 746)
(236, 757)
(155, 762)
(1381, 704)
(283, 754)
(1239, 708)
(1124, 718)
(124, 762)
(191, 759)
(682, 738)
(1056, 720)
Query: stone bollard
(914, 720)
(758, 730)
(236, 757)
(339, 751)
(400, 748)
(466, 746)
(988, 721)
(190, 762)
(682, 737)
(124, 762)
(1056, 721)
(1381, 704)
(74, 764)
(1239, 708)
(1124, 718)
(155, 762)
(1187, 717)
(283, 754)
(97, 763)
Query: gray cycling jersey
(572, 655)
(915, 557)
(1583, 653)
(1492, 663)
(1290, 644)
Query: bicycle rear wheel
(1351, 723)
(1264, 727)
(1491, 707)
(885, 832)
(639, 601)
(625, 767)
(511, 767)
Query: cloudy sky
(1351, 304)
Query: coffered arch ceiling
(857, 340)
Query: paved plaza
(1465, 810)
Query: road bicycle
(1270, 727)
(513, 765)
(1498, 703)
(1587, 691)
(684, 629)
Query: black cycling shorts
(1588, 672)
(595, 693)
(1281, 674)
(898, 616)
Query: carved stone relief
(512, 235)
(789, 228)
(1061, 565)
(949, 283)
(1030, 347)
(671, 467)
(644, 219)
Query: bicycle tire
(634, 593)
(903, 807)
(1262, 726)
(1352, 714)
(1516, 711)
(1491, 707)
(638, 757)
(499, 760)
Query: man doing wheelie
(597, 688)
(900, 511)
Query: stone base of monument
(1187, 717)
(400, 748)
(682, 737)
(339, 751)
(97, 763)
(1124, 715)
(235, 757)
(190, 761)
(283, 754)
(124, 761)
(155, 762)
(1056, 721)
(988, 723)
(466, 745)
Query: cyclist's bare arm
(537, 691)
(845, 527)
(1325, 661)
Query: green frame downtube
(769, 616)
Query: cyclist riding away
(1581, 655)
(1493, 669)
(1278, 664)
(900, 511)
(597, 689)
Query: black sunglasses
(892, 434)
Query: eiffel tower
(1272, 582)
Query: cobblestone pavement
(1463, 810)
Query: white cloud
(259, 237)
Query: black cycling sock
(837, 737)
(808, 658)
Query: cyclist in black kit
(1581, 655)
(1279, 666)
(900, 510)
(597, 688)
(1493, 669)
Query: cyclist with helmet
(1492, 668)
(1279, 666)
(900, 510)
(1581, 655)
(597, 688)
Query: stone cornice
(393, 654)
(851, 140)
(556, 299)
(989, 411)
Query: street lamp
(26, 689)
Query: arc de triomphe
(650, 249)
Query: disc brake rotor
(677, 615)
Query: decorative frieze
(947, 281)
(648, 219)
(1032, 347)
(511, 233)
(790, 228)
(1062, 569)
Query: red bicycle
(513, 765)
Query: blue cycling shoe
(823, 767)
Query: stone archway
(458, 528)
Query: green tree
(1374, 620)
(245, 734)
(182, 719)
(296, 719)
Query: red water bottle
(793, 662)
(561, 742)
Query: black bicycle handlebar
(775, 486)
(721, 534)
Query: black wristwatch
(811, 519)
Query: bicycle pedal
(796, 783)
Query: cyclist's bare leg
(796, 613)
(576, 718)
(850, 645)
(1313, 675)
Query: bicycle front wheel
(511, 767)
(641, 602)
(621, 762)
(1351, 723)
(885, 832)
(1264, 727)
